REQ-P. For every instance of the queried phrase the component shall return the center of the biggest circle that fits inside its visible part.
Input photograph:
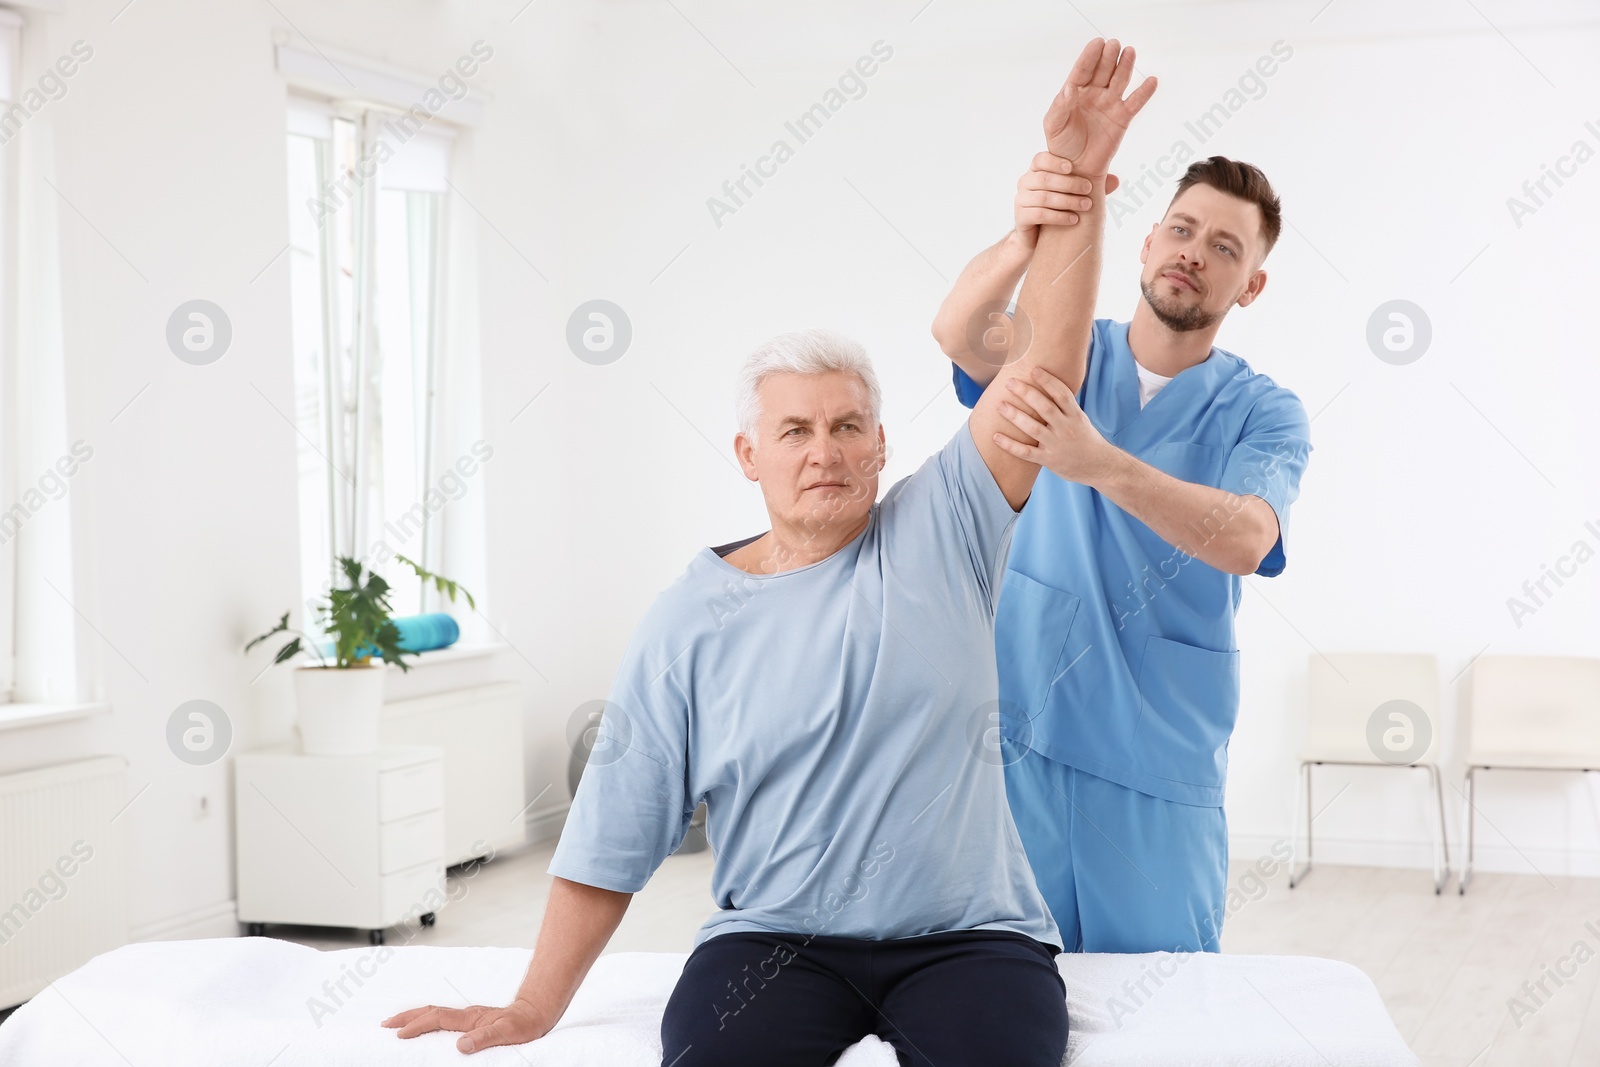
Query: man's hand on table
(481, 1027)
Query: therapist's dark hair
(1243, 181)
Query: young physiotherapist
(1119, 677)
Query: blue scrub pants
(1121, 870)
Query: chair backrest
(1536, 706)
(1347, 690)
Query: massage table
(262, 1002)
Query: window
(367, 212)
(10, 54)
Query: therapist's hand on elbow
(481, 1027)
(1042, 408)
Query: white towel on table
(255, 1002)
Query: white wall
(1394, 136)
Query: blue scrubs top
(1116, 650)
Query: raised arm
(972, 327)
(1085, 123)
(578, 921)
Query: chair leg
(1441, 872)
(1468, 815)
(1294, 823)
(1444, 832)
(1296, 876)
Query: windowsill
(449, 654)
(19, 716)
(453, 653)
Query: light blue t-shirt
(839, 722)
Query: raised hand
(1088, 117)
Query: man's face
(1202, 259)
(817, 451)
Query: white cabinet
(340, 840)
(479, 727)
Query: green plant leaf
(283, 624)
(440, 583)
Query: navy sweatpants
(955, 999)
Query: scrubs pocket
(1189, 699)
(1031, 625)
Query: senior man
(817, 686)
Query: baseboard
(214, 920)
(546, 824)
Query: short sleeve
(981, 510)
(967, 390)
(1268, 461)
(632, 807)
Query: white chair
(1531, 713)
(1347, 728)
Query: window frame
(350, 428)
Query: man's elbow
(1243, 566)
(948, 338)
(1246, 558)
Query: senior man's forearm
(578, 922)
(1059, 293)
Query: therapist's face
(1202, 259)
(817, 450)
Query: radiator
(62, 885)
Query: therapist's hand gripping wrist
(1049, 194)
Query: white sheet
(254, 1002)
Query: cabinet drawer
(408, 842)
(410, 790)
(413, 891)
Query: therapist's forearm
(1227, 531)
(578, 921)
(988, 280)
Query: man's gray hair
(802, 352)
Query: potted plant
(339, 699)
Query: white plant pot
(339, 709)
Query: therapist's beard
(1179, 318)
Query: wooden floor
(1446, 965)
